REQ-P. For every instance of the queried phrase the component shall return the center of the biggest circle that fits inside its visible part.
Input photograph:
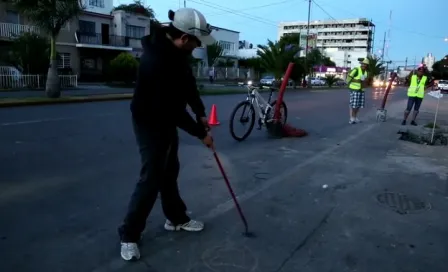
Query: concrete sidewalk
(370, 203)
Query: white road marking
(37, 121)
(118, 264)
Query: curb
(65, 100)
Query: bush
(124, 68)
(432, 125)
(330, 80)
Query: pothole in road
(401, 203)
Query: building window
(64, 60)
(87, 27)
(12, 17)
(227, 46)
(136, 32)
(96, 3)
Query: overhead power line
(254, 7)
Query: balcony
(10, 31)
(101, 40)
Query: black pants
(414, 102)
(159, 172)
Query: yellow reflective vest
(359, 75)
(417, 89)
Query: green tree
(376, 66)
(330, 80)
(31, 52)
(214, 52)
(225, 63)
(50, 16)
(440, 69)
(137, 8)
(124, 68)
(275, 57)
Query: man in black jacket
(165, 86)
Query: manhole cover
(402, 203)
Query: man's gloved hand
(208, 141)
(203, 121)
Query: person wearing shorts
(418, 83)
(357, 80)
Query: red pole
(383, 104)
(282, 91)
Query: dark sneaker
(403, 123)
(413, 123)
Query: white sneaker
(192, 225)
(357, 120)
(130, 251)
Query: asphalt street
(67, 172)
(84, 89)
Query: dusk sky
(416, 27)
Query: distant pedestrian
(418, 83)
(357, 80)
(211, 75)
(165, 86)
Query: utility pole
(382, 55)
(384, 46)
(406, 63)
(185, 3)
(307, 36)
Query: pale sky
(416, 27)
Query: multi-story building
(429, 60)
(86, 44)
(343, 41)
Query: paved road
(91, 90)
(67, 172)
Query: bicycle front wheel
(242, 115)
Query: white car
(316, 81)
(442, 85)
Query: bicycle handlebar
(252, 87)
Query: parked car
(340, 82)
(314, 81)
(443, 86)
(267, 80)
(270, 80)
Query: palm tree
(50, 16)
(274, 57)
(376, 66)
(214, 51)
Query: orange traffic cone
(213, 119)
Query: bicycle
(263, 108)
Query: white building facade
(99, 6)
(429, 60)
(229, 41)
(343, 41)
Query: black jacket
(165, 85)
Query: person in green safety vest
(357, 81)
(418, 83)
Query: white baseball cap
(192, 22)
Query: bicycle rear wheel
(283, 112)
(246, 118)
